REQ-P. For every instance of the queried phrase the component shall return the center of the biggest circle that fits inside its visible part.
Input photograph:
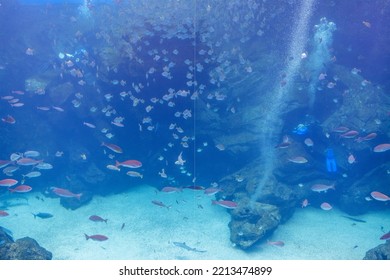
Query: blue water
(224, 85)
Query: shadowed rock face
(251, 224)
(25, 248)
(381, 252)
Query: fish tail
(86, 236)
(117, 163)
(105, 220)
(78, 196)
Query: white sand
(150, 230)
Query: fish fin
(86, 236)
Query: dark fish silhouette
(42, 215)
(188, 248)
(355, 219)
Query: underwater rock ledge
(380, 252)
(24, 248)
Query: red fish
(351, 159)
(350, 134)
(386, 236)
(8, 119)
(278, 243)
(4, 163)
(3, 213)
(305, 203)
(382, 148)
(379, 196)
(65, 193)
(8, 182)
(113, 147)
(225, 203)
(322, 187)
(212, 191)
(298, 159)
(96, 218)
(326, 206)
(340, 129)
(96, 237)
(367, 137)
(21, 189)
(131, 163)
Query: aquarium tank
(194, 129)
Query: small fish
(322, 187)
(349, 134)
(351, 159)
(96, 237)
(278, 243)
(89, 125)
(379, 196)
(42, 215)
(3, 213)
(65, 193)
(366, 23)
(131, 163)
(305, 203)
(188, 248)
(21, 189)
(113, 147)
(386, 236)
(180, 160)
(381, 148)
(326, 206)
(123, 226)
(298, 159)
(96, 218)
(161, 204)
(171, 189)
(225, 203)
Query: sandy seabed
(150, 230)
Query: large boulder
(380, 252)
(252, 222)
(25, 248)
